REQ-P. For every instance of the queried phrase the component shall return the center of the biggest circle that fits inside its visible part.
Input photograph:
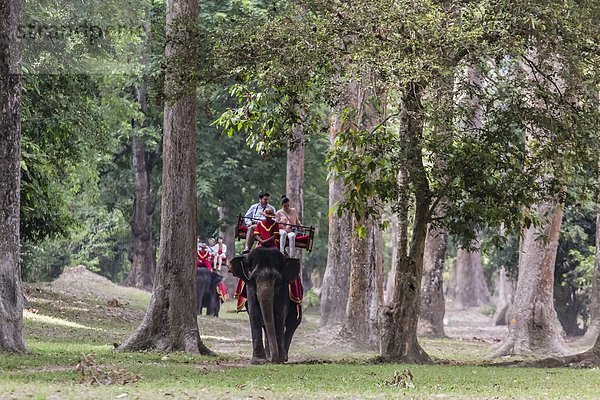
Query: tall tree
(400, 317)
(365, 111)
(11, 296)
(294, 185)
(534, 326)
(533, 323)
(334, 294)
(468, 284)
(143, 263)
(594, 326)
(170, 321)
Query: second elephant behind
(206, 292)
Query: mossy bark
(399, 319)
(143, 263)
(334, 292)
(433, 307)
(533, 324)
(11, 296)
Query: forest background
(84, 122)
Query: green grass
(48, 371)
(62, 334)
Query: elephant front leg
(258, 348)
(280, 316)
(293, 320)
(267, 346)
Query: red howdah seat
(304, 234)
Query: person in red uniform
(203, 257)
(267, 230)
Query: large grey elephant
(268, 274)
(206, 292)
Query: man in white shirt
(254, 215)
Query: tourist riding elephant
(267, 274)
(206, 292)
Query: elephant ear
(291, 270)
(238, 268)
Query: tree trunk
(144, 263)
(470, 289)
(11, 296)
(389, 287)
(593, 331)
(534, 326)
(334, 290)
(361, 323)
(506, 291)
(433, 308)
(366, 266)
(399, 319)
(170, 321)
(294, 188)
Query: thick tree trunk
(593, 331)
(143, 260)
(170, 321)
(334, 290)
(433, 308)
(399, 319)
(469, 289)
(366, 266)
(534, 326)
(294, 188)
(505, 294)
(11, 296)
(366, 286)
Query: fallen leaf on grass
(402, 379)
(98, 375)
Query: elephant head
(267, 274)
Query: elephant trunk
(266, 293)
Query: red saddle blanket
(296, 293)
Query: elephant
(206, 292)
(267, 274)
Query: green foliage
(574, 267)
(310, 299)
(61, 123)
(266, 116)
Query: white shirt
(215, 249)
(255, 211)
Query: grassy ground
(71, 356)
